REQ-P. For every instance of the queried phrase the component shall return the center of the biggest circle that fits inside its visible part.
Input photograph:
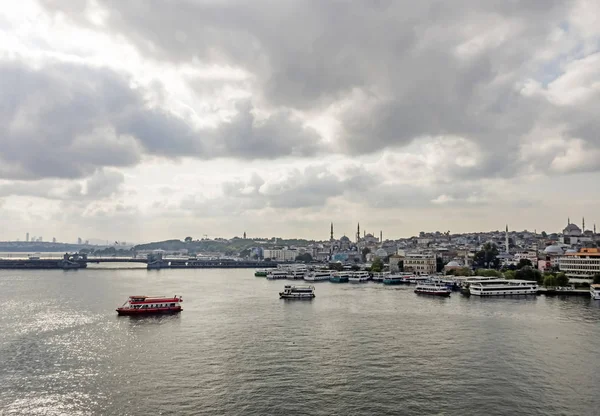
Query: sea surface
(237, 349)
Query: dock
(153, 262)
(563, 292)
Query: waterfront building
(394, 262)
(582, 264)
(420, 263)
(281, 254)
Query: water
(237, 349)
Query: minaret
(582, 224)
(506, 238)
(331, 236)
(381, 236)
(568, 220)
(594, 229)
(358, 232)
(244, 235)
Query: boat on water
(339, 277)
(277, 274)
(379, 277)
(318, 276)
(297, 292)
(150, 305)
(261, 272)
(359, 277)
(502, 287)
(595, 291)
(395, 280)
(417, 279)
(432, 289)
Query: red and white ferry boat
(147, 305)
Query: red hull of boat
(153, 311)
(442, 294)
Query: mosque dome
(345, 239)
(553, 249)
(381, 253)
(453, 264)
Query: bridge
(153, 261)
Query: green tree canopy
(488, 273)
(529, 273)
(439, 264)
(188, 239)
(562, 280)
(509, 274)
(365, 251)
(523, 263)
(487, 256)
(550, 280)
(463, 271)
(596, 279)
(377, 265)
(306, 257)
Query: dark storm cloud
(407, 69)
(67, 121)
(102, 184)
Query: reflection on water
(238, 349)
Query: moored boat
(339, 277)
(149, 305)
(595, 291)
(261, 272)
(432, 289)
(297, 292)
(395, 280)
(359, 277)
(502, 287)
(318, 276)
(277, 274)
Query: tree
(364, 252)
(529, 273)
(336, 266)
(487, 256)
(306, 258)
(488, 273)
(463, 271)
(245, 253)
(596, 279)
(188, 239)
(523, 263)
(550, 280)
(544, 235)
(377, 265)
(509, 274)
(439, 264)
(562, 280)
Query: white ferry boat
(297, 292)
(414, 279)
(432, 289)
(277, 274)
(359, 277)
(595, 291)
(318, 276)
(502, 287)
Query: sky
(149, 120)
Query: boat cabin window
(172, 304)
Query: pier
(563, 292)
(152, 261)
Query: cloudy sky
(145, 120)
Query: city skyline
(123, 125)
(332, 234)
